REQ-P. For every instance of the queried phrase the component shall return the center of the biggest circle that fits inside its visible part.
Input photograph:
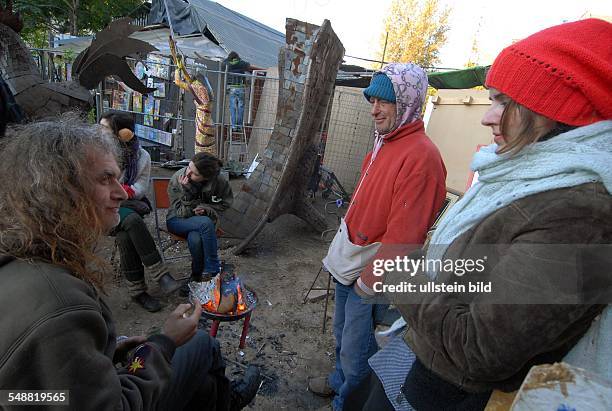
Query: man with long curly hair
(60, 194)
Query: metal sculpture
(104, 57)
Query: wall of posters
(153, 134)
(158, 66)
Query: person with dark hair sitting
(197, 194)
(136, 246)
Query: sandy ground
(285, 337)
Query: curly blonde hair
(47, 212)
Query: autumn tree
(475, 52)
(415, 31)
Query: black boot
(184, 291)
(244, 390)
(148, 302)
(168, 284)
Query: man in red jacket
(402, 187)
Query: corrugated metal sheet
(253, 41)
(159, 39)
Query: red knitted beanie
(563, 72)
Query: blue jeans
(355, 342)
(202, 241)
(236, 101)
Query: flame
(213, 303)
(241, 306)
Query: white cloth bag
(345, 260)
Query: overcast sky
(358, 23)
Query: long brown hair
(532, 127)
(47, 212)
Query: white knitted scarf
(576, 157)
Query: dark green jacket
(216, 194)
(56, 333)
(483, 346)
(237, 66)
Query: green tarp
(459, 79)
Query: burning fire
(232, 302)
(213, 303)
(240, 306)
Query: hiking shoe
(244, 390)
(148, 302)
(319, 386)
(168, 284)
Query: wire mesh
(350, 135)
(346, 134)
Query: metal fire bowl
(232, 317)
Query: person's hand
(207, 211)
(180, 325)
(184, 180)
(126, 345)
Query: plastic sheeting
(159, 39)
(253, 41)
(459, 79)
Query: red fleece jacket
(400, 195)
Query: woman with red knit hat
(539, 220)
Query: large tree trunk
(73, 18)
(307, 72)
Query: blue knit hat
(380, 87)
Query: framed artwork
(137, 102)
(156, 109)
(121, 100)
(160, 89)
(140, 70)
(149, 105)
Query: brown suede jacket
(56, 333)
(480, 347)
